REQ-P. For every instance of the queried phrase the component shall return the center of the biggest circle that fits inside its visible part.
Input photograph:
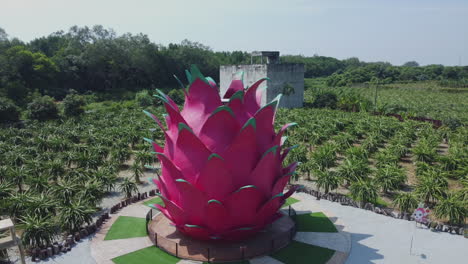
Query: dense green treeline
(385, 73)
(97, 60)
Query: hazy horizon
(429, 32)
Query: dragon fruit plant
(222, 164)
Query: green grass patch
(156, 200)
(314, 222)
(127, 227)
(380, 202)
(300, 253)
(149, 255)
(290, 201)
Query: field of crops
(426, 99)
(53, 174)
(381, 160)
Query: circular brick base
(273, 238)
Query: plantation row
(381, 160)
(420, 99)
(54, 174)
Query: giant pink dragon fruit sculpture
(222, 174)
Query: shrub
(38, 231)
(144, 99)
(390, 177)
(364, 191)
(9, 112)
(177, 96)
(326, 99)
(73, 104)
(451, 208)
(406, 201)
(352, 170)
(424, 152)
(42, 108)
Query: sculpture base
(274, 237)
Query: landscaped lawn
(290, 201)
(127, 227)
(314, 222)
(149, 255)
(156, 200)
(300, 253)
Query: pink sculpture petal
(286, 151)
(219, 130)
(217, 217)
(157, 148)
(215, 179)
(161, 188)
(212, 83)
(201, 101)
(156, 119)
(290, 168)
(265, 129)
(169, 147)
(196, 231)
(177, 214)
(193, 201)
(290, 192)
(236, 85)
(247, 200)
(278, 136)
(269, 209)
(280, 184)
(241, 156)
(252, 104)
(236, 103)
(169, 174)
(267, 171)
(191, 154)
(172, 103)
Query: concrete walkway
(381, 239)
(374, 238)
(103, 251)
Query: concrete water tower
(284, 78)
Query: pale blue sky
(428, 31)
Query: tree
(137, 172)
(73, 215)
(18, 175)
(128, 187)
(411, 64)
(9, 112)
(325, 156)
(43, 108)
(144, 99)
(64, 191)
(327, 180)
(73, 104)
